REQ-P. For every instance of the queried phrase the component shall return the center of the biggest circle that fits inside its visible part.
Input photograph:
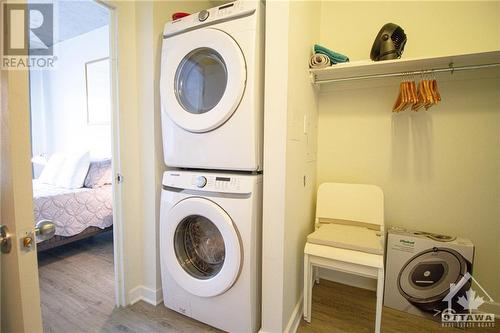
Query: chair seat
(348, 237)
(348, 256)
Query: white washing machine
(212, 88)
(210, 247)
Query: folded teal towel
(334, 56)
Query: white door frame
(118, 249)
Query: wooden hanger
(420, 97)
(399, 100)
(435, 90)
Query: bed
(77, 213)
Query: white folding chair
(349, 237)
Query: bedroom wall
(58, 99)
(438, 169)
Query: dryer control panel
(211, 182)
(229, 11)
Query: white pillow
(73, 171)
(51, 170)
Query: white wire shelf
(367, 69)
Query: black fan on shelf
(389, 43)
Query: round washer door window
(203, 77)
(199, 247)
(203, 252)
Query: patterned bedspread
(72, 211)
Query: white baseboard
(294, 321)
(142, 293)
(134, 295)
(348, 279)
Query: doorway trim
(118, 243)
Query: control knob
(203, 15)
(201, 181)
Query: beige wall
(273, 208)
(433, 28)
(438, 169)
(300, 150)
(289, 158)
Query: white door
(20, 303)
(203, 76)
(203, 249)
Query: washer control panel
(210, 16)
(210, 182)
(216, 183)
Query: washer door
(203, 79)
(204, 252)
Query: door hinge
(119, 178)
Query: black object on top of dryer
(425, 279)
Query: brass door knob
(27, 242)
(45, 229)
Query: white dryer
(210, 241)
(212, 88)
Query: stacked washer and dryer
(211, 86)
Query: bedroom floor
(77, 293)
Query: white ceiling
(78, 17)
(73, 18)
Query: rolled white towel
(319, 60)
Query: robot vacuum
(425, 278)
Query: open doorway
(72, 145)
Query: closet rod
(451, 69)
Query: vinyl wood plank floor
(339, 308)
(77, 293)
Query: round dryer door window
(203, 252)
(200, 80)
(203, 77)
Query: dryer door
(203, 248)
(202, 80)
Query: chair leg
(380, 296)
(316, 274)
(307, 288)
